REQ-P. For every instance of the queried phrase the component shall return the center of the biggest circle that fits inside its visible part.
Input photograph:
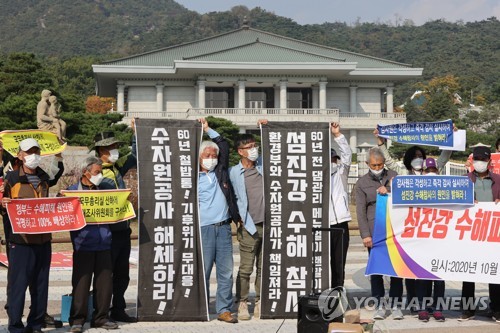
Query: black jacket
(222, 174)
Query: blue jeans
(218, 248)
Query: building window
(299, 98)
(219, 98)
(259, 98)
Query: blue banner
(432, 190)
(428, 134)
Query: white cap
(27, 144)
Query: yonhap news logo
(333, 303)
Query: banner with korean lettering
(438, 133)
(104, 206)
(437, 243)
(48, 141)
(43, 215)
(171, 285)
(432, 190)
(296, 160)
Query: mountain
(63, 29)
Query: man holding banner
(246, 177)
(114, 169)
(217, 209)
(29, 254)
(486, 188)
(376, 181)
(91, 257)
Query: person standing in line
(486, 189)
(246, 178)
(29, 254)
(217, 205)
(424, 287)
(91, 258)
(114, 169)
(376, 181)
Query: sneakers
(438, 315)
(227, 317)
(243, 311)
(466, 315)
(397, 314)
(423, 316)
(76, 329)
(122, 316)
(49, 321)
(380, 314)
(256, 310)
(496, 316)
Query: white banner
(446, 242)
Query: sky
(349, 11)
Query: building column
(389, 99)
(201, 93)
(315, 97)
(159, 97)
(353, 105)
(322, 94)
(241, 94)
(120, 99)
(353, 140)
(283, 95)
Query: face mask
(209, 163)
(480, 166)
(114, 154)
(253, 154)
(32, 161)
(97, 179)
(431, 174)
(416, 163)
(334, 168)
(377, 172)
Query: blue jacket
(237, 176)
(95, 237)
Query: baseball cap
(27, 144)
(481, 153)
(333, 153)
(429, 163)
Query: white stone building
(248, 74)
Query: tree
(101, 105)
(229, 131)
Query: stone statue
(48, 115)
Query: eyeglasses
(249, 147)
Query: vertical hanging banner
(296, 159)
(171, 285)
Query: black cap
(333, 153)
(481, 153)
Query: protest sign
(104, 206)
(48, 141)
(44, 215)
(426, 133)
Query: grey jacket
(366, 196)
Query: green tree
(229, 131)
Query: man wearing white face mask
(217, 205)
(29, 254)
(340, 215)
(114, 169)
(246, 178)
(376, 181)
(486, 188)
(91, 257)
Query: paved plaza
(357, 285)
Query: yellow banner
(104, 206)
(48, 141)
